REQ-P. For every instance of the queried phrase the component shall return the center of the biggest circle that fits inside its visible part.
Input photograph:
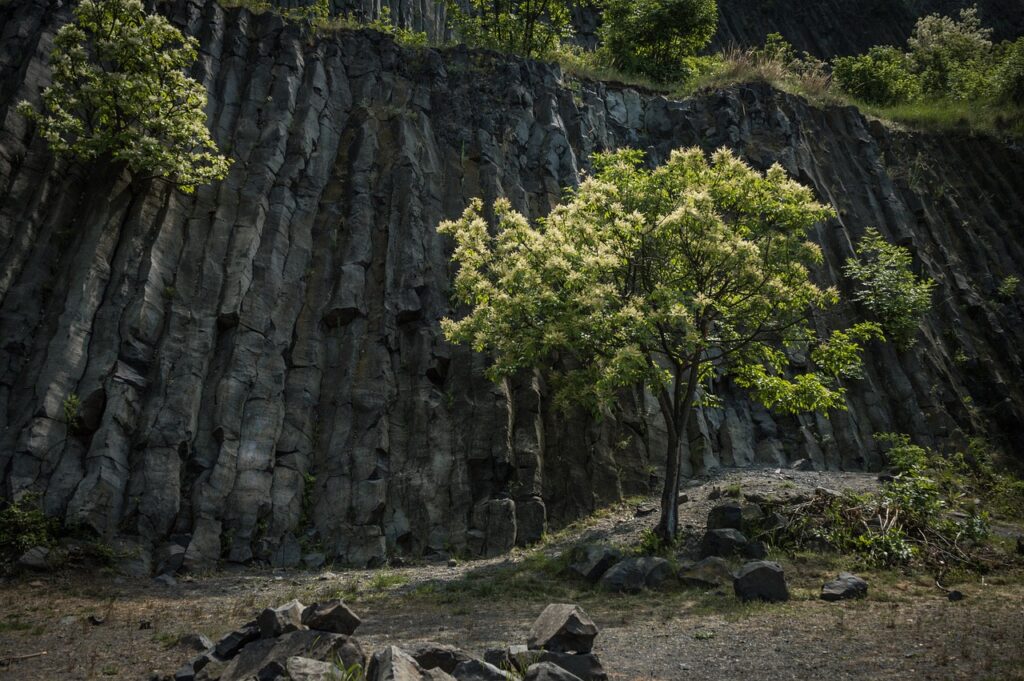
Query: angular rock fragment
(229, 645)
(546, 671)
(439, 656)
(722, 542)
(196, 641)
(725, 516)
(477, 670)
(517, 657)
(708, 573)
(259, 655)
(563, 628)
(586, 666)
(394, 664)
(281, 620)
(306, 669)
(761, 580)
(847, 585)
(635, 574)
(592, 561)
(333, 616)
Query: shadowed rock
(847, 585)
(333, 616)
(761, 580)
(708, 573)
(563, 628)
(281, 620)
(439, 655)
(635, 574)
(546, 671)
(723, 543)
(394, 664)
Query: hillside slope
(260, 365)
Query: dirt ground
(905, 629)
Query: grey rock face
(271, 343)
(635, 574)
(761, 580)
(563, 628)
(847, 585)
(333, 616)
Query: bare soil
(905, 629)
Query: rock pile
(293, 642)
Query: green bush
(22, 526)
(1009, 74)
(533, 28)
(655, 38)
(952, 58)
(882, 76)
(886, 286)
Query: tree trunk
(677, 419)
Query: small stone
(722, 542)
(761, 580)
(229, 645)
(145, 624)
(802, 465)
(453, 563)
(682, 499)
(281, 620)
(1020, 545)
(96, 620)
(644, 510)
(563, 628)
(847, 585)
(333, 616)
(955, 595)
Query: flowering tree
(662, 277)
(119, 91)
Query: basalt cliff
(259, 365)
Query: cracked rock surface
(260, 367)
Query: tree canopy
(119, 90)
(660, 277)
(529, 27)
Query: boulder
(306, 669)
(229, 645)
(333, 616)
(635, 574)
(439, 656)
(260, 655)
(722, 542)
(592, 561)
(709, 573)
(563, 628)
(761, 580)
(725, 516)
(36, 558)
(586, 666)
(802, 465)
(517, 657)
(477, 670)
(394, 664)
(546, 671)
(755, 550)
(847, 585)
(281, 620)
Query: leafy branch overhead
(663, 277)
(119, 91)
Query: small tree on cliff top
(661, 277)
(120, 92)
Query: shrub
(951, 57)
(887, 287)
(532, 28)
(22, 526)
(654, 38)
(119, 92)
(1009, 75)
(882, 76)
